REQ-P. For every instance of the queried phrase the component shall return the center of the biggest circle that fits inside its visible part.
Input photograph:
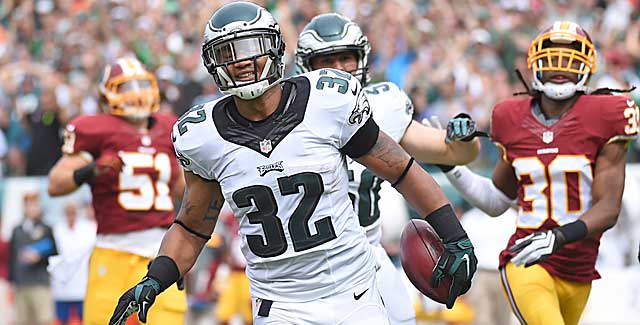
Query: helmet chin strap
(254, 90)
(561, 91)
(137, 117)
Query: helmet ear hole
(273, 53)
(103, 101)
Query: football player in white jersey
(275, 150)
(334, 41)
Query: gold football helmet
(127, 89)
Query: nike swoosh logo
(357, 297)
(144, 306)
(355, 91)
(465, 257)
(145, 303)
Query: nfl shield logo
(145, 140)
(265, 146)
(547, 136)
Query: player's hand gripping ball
(420, 249)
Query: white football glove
(536, 247)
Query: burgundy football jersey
(554, 166)
(139, 197)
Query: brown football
(420, 248)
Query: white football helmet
(241, 31)
(543, 56)
(330, 33)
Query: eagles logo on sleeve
(361, 110)
(184, 161)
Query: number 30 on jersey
(632, 114)
(560, 190)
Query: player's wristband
(164, 270)
(446, 224)
(84, 173)
(574, 231)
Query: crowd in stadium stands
(448, 58)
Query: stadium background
(448, 56)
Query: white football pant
(394, 294)
(339, 309)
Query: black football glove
(462, 128)
(460, 263)
(137, 299)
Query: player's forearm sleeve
(479, 191)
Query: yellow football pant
(537, 297)
(235, 298)
(113, 272)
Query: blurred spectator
(450, 56)
(75, 236)
(448, 103)
(3, 152)
(31, 244)
(209, 92)
(44, 125)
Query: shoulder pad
(334, 84)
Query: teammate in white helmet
(333, 41)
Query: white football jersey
(285, 178)
(393, 111)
